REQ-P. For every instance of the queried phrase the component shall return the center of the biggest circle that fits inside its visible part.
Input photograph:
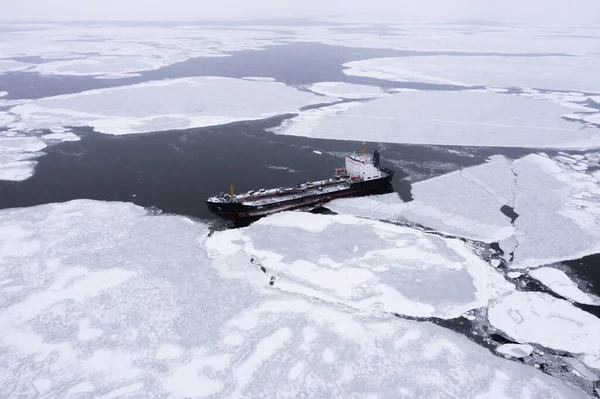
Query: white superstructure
(362, 166)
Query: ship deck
(272, 196)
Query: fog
(554, 11)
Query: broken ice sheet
(515, 350)
(560, 73)
(166, 105)
(99, 299)
(540, 318)
(463, 118)
(366, 264)
(16, 154)
(346, 90)
(559, 282)
(557, 206)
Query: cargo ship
(361, 175)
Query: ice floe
(559, 282)
(366, 264)
(3, 93)
(540, 318)
(557, 204)
(112, 302)
(560, 73)
(346, 90)
(16, 154)
(448, 118)
(13, 66)
(166, 105)
(109, 67)
(515, 350)
(440, 203)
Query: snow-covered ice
(540, 318)
(106, 67)
(346, 90)
(449, 118)
(165, 105)
(366, 264)
(116, 303)
(16, 154)
(515, 350)
(559, 282)
(551, 197)
(440, 203)
(560, 73)
(65, 136)
(13, 66)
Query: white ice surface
(366, 264)
(16, 154)
(440, 203)
(166, 105)
(66, 136)
(346, 90)
(559, 73)
(112, 303)
(449, 118)
(13, 66)
(515, 350)
(540, 318)
(3, 93)
(109, 67)
(551, 197)
(559, 282)
(5, 119)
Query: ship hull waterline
(237, 211)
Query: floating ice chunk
(559, 282)
(439, 203)
(20, 144)
(398, 269)
(13, 66)
(515, 350)
(560, 73)
(448, 118)
(17, 171)
(67, 136)
(581, 369)
(547, 187)
(346, 90)
(118, 76)
(141, 108)
(514, 274)
(3, 93)
(145, 281)
(540, 318)
(259, 78)
(595, 99)
(102, 66)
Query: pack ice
(467, 118)
(560, 72)
(165, 105)
(366, 264)
(100, 299)
(549, 196)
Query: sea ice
(540, 318)
(107, 66)
(5, 119)
(448, 118)
(166, 105)
(346, 90)
(559, 282)
(160, 319)
(66, 136)
(515, 350)
(560, 73)
(557, 204)
(13, 66)
(16, 154)
(3, 93)
(366, 264)
(441, 203)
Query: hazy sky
(570, 11)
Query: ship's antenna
(231, 190)
(364, 149)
